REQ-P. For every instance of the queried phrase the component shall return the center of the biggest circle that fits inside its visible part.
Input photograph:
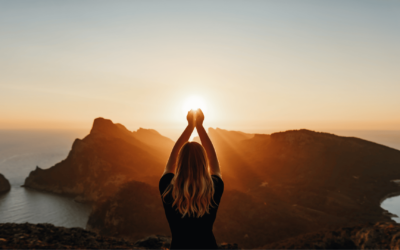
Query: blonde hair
(192, 188)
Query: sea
(22, 150)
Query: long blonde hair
(192, 188)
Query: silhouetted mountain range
(276, 186)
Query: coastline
(390, 195)
(66, 195)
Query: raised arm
(207, 144)
(171, 164)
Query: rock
(154, 242)
(105, 159)
(228, 246)
(4, 184)
(382, 235)
(310, 178)
(134, 212)
(310, 169)
(48, 236)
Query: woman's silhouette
(191, 188)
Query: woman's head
(192, 188)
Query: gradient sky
(256, 64)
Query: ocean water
(22, 151)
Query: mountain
(320, 179)
(134, 212)
(4, 184)
(277, 186)
(338, 176)
(99, 164)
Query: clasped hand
(195, 117)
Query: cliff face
(338, 176)
(315, 180)
(103, 161)
(4, 184)
(134, 212)
(276, 186)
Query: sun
(194, 102)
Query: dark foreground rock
(382, 235)
(4, 184)
(48, 236)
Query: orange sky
(256, 65)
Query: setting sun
(194, 102)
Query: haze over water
(22, 151)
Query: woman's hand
(199, 118)
(191, 118)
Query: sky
(256, 65)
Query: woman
(191, 188)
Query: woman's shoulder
(165, 181)
(167, 177)
(217, 177)
(218, 182)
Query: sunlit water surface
(22, 151)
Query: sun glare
(194, 103)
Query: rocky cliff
(134, 212)
(104, 160)
(277, 186)
(4, 184)
(338, 176)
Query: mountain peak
(101, 125)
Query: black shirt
(191, 232)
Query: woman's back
(190, 231)
(191, 188)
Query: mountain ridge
(293, 182)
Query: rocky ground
(382, 235)
(4, 184)
(48, 236)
